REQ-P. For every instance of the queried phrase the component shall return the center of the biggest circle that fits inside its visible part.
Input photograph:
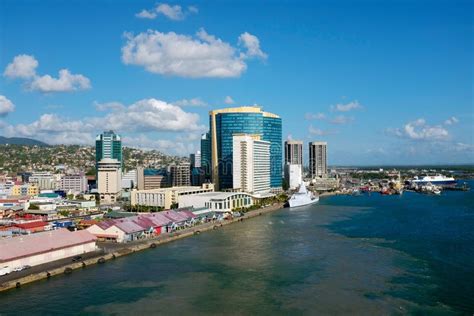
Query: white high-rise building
(294, 152)
(251, 164)
(318, 161)
(109, 180)
(75, 183)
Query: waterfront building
(251, 164)
(293, 175)
(75, 183)
(44, 180)
(166, 197)
(206, 155)
(109, 180)
(318, 167)
(180, 174)
(41, 248)
(294, 152)
(251, 120)
(108, 145)
(141, 226)
(218, 201)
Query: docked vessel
(302, 197)
(436, 180)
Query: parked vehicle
(5, 270)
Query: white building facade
(251, 164)
(75, 183)
(109, 180)
(293, 175)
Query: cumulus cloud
(165, 145)
(315, 116)
(420, 130)
(171, 54)
(354, 105)
(141, 117)
(64, 83)
(190, 102)
(109, 106)
(341, 119)
(228, 100)
(252, 43)
(146, 14)
(24, 67)
(319, 132)
(172, 12)
(451, 121)
(6, 106)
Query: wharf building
(109, 180)
(225, 123)
(318, 167)
(251, 164)
(166, 197)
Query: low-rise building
(218, 201)
(75, 183)
(45, 247)
(166, 197)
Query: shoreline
(132, 247)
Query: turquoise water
(410, 254)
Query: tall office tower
(197, 159)
(251, 120)
(180, 174)
(294, 152)
(206, 155)
(108, 145)
(251, 164)
(192, 160)
(318, 164)
(109, 180)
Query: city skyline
(377, 90)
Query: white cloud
(22, 66)
(228, 100)
(319, 132)
(109, 106)
(190, 102)
(6, 106)
(341, 119)
(315, 116)
(354, 105)
(172, 12)
(141, 117)
(171, 146)
(145, 14)
(65, 83)
(451, 121)
(252, 43)
(171, 54)
(420, 130)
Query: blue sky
(384, 82)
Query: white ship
(302, 197)
(436, 180)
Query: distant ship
(302, 197)
(436, 180)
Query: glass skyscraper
(243, 120)
(108, 145)
(206, 155)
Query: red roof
(31, 225)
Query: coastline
(132, 247)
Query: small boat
(302, 197)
